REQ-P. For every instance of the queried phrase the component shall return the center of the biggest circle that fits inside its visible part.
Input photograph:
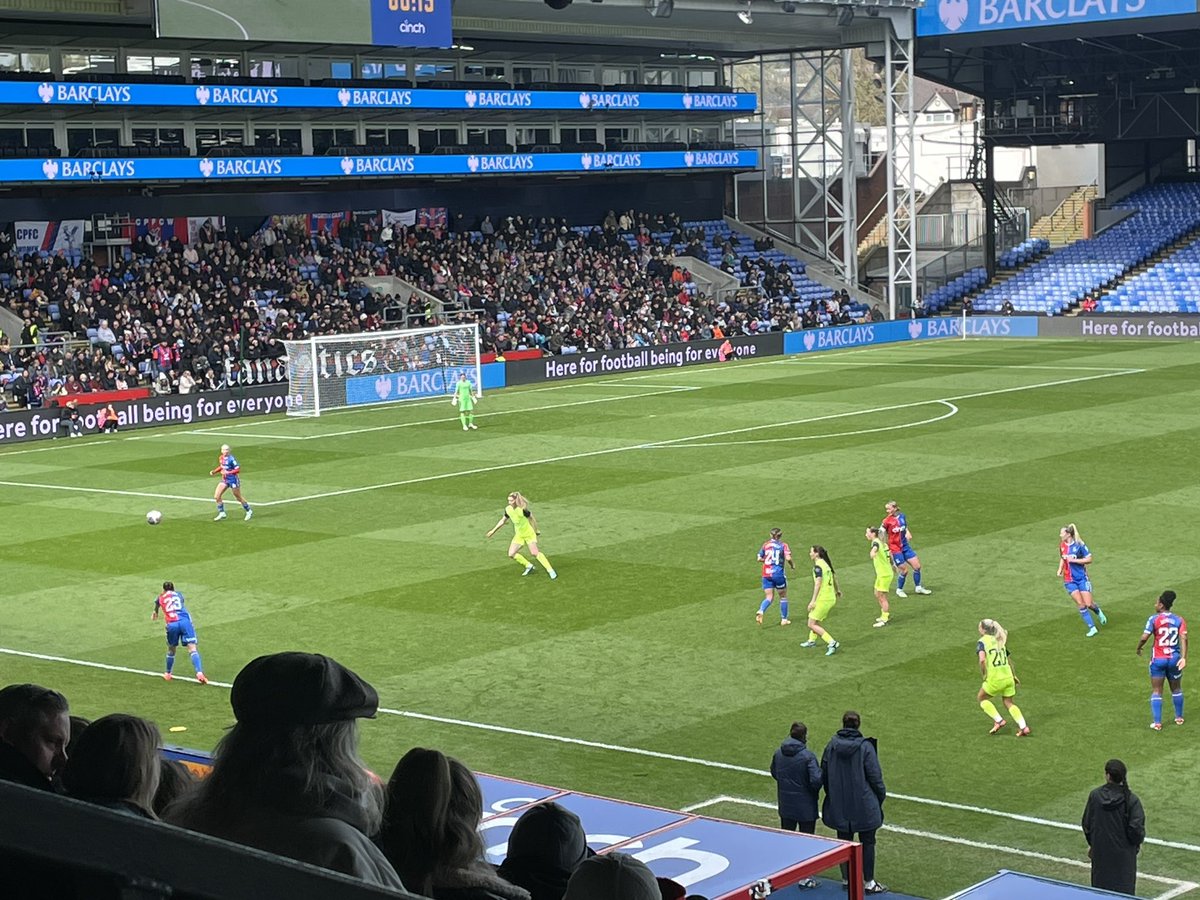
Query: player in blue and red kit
(1169, 657)
(179, 629)
(1075, 557)
(231, 478)
(904, 557)
(773, 555)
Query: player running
(227, 467)
(882, 560)
(1168, 658)
(1074, 558)
(904, 557)
(999, 679)
(825, 597)
(465, 398)
(526, 533)
(179, 629)
(773, 554)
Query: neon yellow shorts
(822, 609)
(524, 537)
(1000, 687)
(884, 582)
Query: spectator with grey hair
(35, 727)
(287, 777)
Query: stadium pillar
(849, 261)
(989, 207)
(901, 171)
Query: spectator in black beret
(287, 777)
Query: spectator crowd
(181, 318)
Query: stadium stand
(1161, 214)
(1171, 286)
(182, 319)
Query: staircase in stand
(1065, 225)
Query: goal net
(346, 370)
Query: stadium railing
(88, 851)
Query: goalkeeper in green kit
(464, 398)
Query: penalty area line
(617, 748)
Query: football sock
(522, 560)
(1016, 712)
(541, 557)
(1087, 618)
(220, 507)
(812, 636)
(917, 577)
(196, 661)
(470, 418)
(1177, 699)
(245, 506)
(827, 638)
(462, 417)
(783, 609)
(764, 606)
(170, 662)
(990, 708)
(900, 583)
(885, 615)
(1156, 708)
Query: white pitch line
(618, 748)
(245, 434)
(223, 15)
(813, 437)
(1179, 887)
(90, 490)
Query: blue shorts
(181, 632)
(233, 481)
(774, 582)
(1083, 585)
(899, 559)
(1166, 668)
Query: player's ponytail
(823, 554)
(876, 531)
(996, 630)
(518, 500)
(1074, 532)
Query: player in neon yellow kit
(999, 679)
(525, 533)
(464, 398)
(825, 597)
(884, 573)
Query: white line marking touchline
(1180, 887)
(599, 745)
(89, 490)
(223, 15)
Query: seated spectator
(547, 843)
(431, 830)
(69, 419)
(35, 726)
(116, 765)
(1007, 308)
(107, 420)
(613, 876)
(287, 777)
(175, 782)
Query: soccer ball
(153, 517)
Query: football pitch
(640, 672)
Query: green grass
(647, 640)
(345, 22)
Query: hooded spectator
(546, 845)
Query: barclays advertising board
(390, 386)
(277, 167)
(948, 17)
(267, 96)
(818, 339)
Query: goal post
(373, 367)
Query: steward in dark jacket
(854, 792)
(1114, 825)
(798, 779)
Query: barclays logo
(953, 13)
(46, 92)
(50, 169)
(203, 95)
(914, 329)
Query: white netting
(338, 371)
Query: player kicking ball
(465, 398)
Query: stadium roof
(595, 30)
